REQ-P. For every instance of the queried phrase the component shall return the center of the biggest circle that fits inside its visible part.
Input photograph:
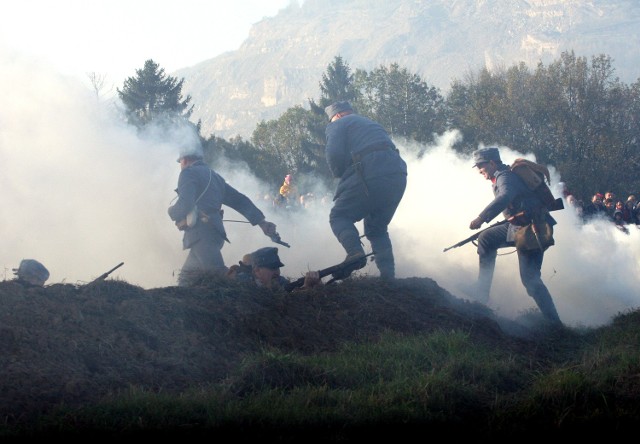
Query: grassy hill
(361, 359)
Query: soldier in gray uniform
(201, 188)
(511, 196)
(373, 178)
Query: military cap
(336, 108)
(266, 257)
(192, 156)
(486, 155)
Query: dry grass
(72, 346)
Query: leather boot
(350, 241)
(485, 277)
(385, 263)
(544, 301)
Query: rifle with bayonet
(334, 269)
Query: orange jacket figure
(287, 189)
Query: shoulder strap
(207, 187)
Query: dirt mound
(71, 344)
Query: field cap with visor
(266, 257)
(485, 155)
(337, 107)
(192, 156)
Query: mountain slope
(281, 62)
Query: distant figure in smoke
(373, 178)
(198, 212)
(31, 273)
(511, 196)
(287, 190)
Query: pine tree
(152, 95)
(336, 85)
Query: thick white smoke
(591, 272)
(82, 192)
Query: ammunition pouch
(534, 236)
(196, 215)
(192, 219)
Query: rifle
(326, 272)
(558, 205)
(476, 235)
(103, 276)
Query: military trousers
(205, 255)
(530, 265)
(374, 203)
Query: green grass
(442, 381)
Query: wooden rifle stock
(325, 272)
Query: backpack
(537, 179)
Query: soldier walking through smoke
(198, 212)
(512, 197)
(373, 178)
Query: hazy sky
(81, 191)
(116, 37)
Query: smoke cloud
(83, 191)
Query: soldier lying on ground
(263, 268)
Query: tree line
(573, 114)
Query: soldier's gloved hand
(268, 228)
(476, 223)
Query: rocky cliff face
(282, 61)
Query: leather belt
(357, 157)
